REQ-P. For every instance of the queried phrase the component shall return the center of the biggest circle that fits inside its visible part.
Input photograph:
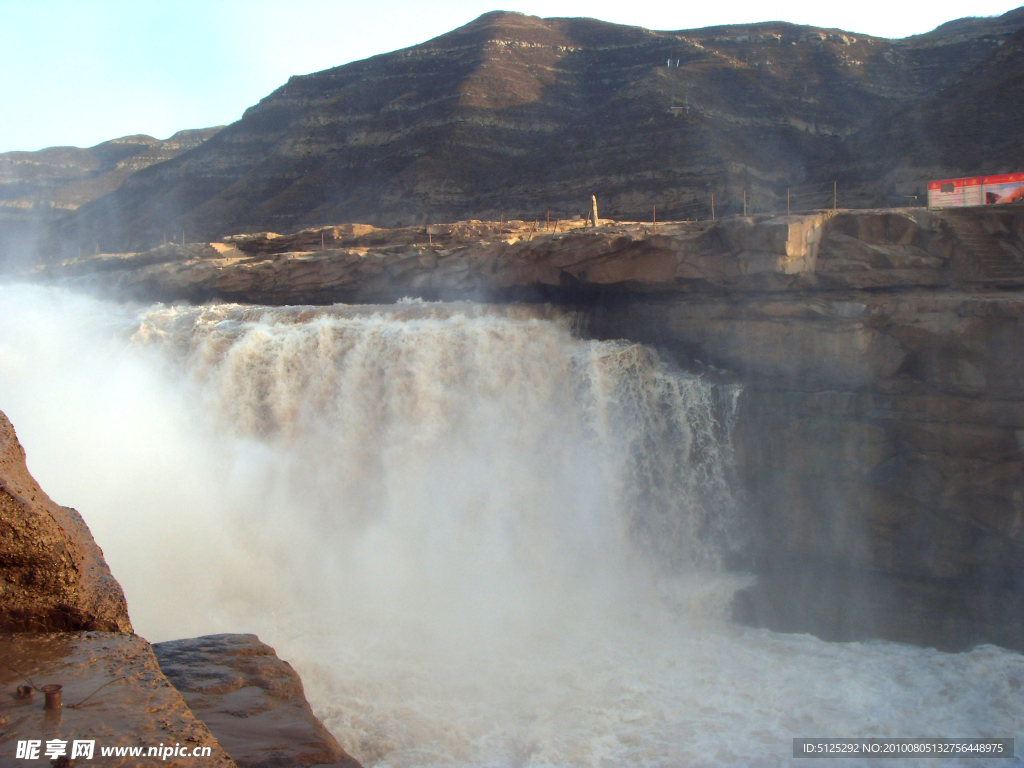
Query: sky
(78, 73)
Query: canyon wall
(522, 115)
(880, 441)
(881, 435)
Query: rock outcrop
(881, 434)
(830, 251)
(523, 115)
(54, 584)
(52, 574)
(252, 701)
(113, 694)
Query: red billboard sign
(976, 190)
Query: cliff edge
(53, 577)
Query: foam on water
(480, 540)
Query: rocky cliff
(52, 575)
(520, 114)
(881, 430)
(64, 622)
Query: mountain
(38, 188)
(522, 115)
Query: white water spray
(482, 542)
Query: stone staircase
(994, 261)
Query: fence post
(835, 189)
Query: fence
(804, 198)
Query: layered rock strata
(522, 115)
(38, 189)
(881, 434)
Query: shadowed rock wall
(881, 432)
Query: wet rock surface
(55, 581)
(113, 693)
(52, 574)
(251, 700)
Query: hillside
(39, 188)
(520, 115)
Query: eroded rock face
(251, 700)
(826, 252)
(881, 435)
(113, 693)
(52, 574)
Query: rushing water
(480, 540)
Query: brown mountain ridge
(39, 188)
(521, 115)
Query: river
(480, 539)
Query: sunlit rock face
(522, 115)
(52, 575)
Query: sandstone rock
(52, 574)
(113, 693)
(251, 700)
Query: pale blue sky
(78, 73)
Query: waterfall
(491, 457)
(482, 540)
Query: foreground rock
(53, 580)
(113, 693)
(52, 574)
(251, 700)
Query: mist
(480, 540)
